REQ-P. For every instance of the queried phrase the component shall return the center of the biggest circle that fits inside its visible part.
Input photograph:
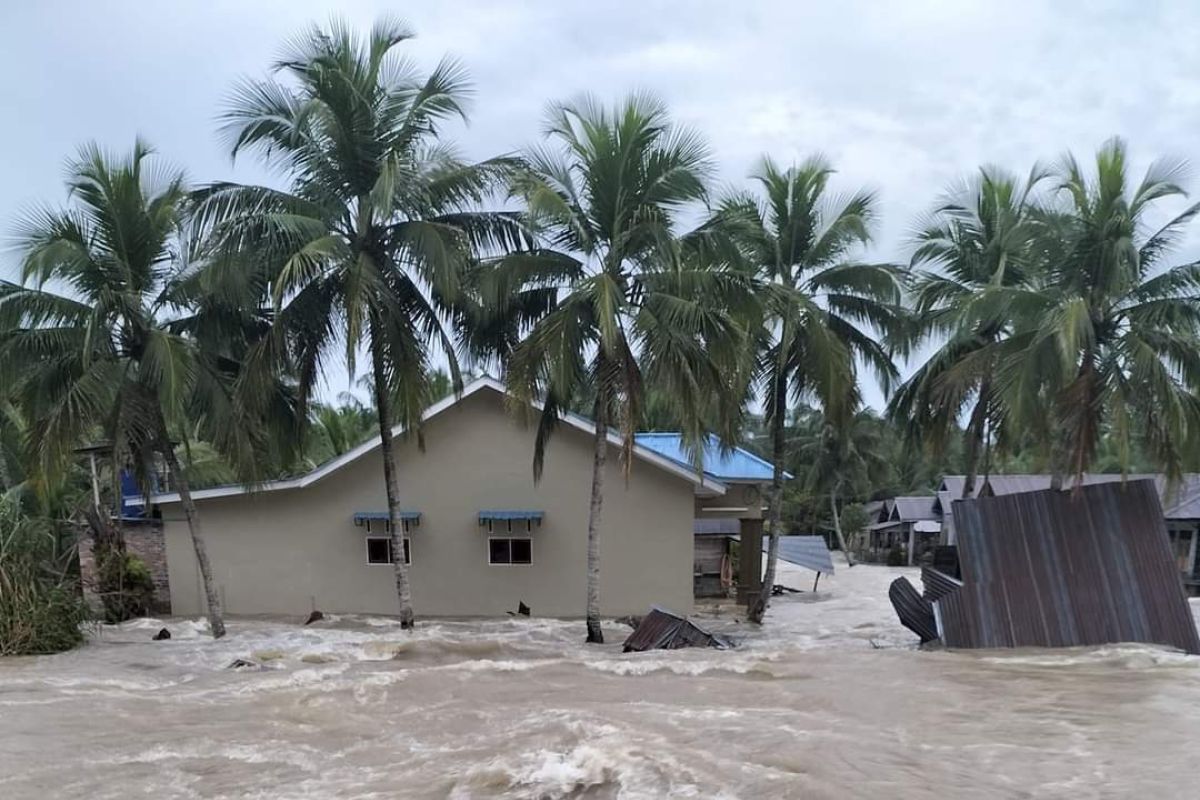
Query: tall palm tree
(630, 310)
(98, 338)
(980, 240)
(818, 305)
(373, 239)
(1111, 337)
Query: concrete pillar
(912, 542)
(750, 560)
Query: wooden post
(818, 580)
(750, 561)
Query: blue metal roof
(364, 516)
(738, 465)
(492, 515)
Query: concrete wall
(286, 552)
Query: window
(379, 550)
(510, 551)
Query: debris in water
(522, 610)
(244, 663)
(162, 634)
(632, 620)
(915, 612)
(665, 630)
(1055, 569)
(315, 616)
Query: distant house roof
(1180, 501)
(705, 483)
(910, 509)
(736, 466)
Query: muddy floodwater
(829, 700)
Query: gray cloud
(904, 97)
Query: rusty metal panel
(664, 630)
(915, 612)
(1060, 569)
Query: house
(911, 523)
(1180, 503)
(480, 534)
(720, 520)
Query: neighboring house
(719, 521)
(481, 536)
(1180, 503)
(911, 523)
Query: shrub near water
(40, 609)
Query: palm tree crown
(1111, 337)
(373, 239)
(630, 306)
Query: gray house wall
(288, 551)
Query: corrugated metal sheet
(915, 612)
(809, 552)
(665, 630)
(717, 525)
(938, 584)
(736, 465)
(1180, 501)
(1062, 569)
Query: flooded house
(480, 534)
(911, 524)
(720, 521)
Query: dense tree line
(192, 325)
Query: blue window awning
(490, 518)
(509, 515)
(407, 517)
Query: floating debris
(1056, 569)
(162, 635)
(665, 630)
(315, 616)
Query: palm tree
(629, 309)
(817, 305)
(1110, 337)
(979, 241)
(372, 242)
(841, 461)
(339, 429)
(98, 340)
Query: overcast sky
(904, 95)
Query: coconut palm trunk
(837, 525)
(215, 618)
(599, 463)
(391, 484)
(975, 439)
(775, 513)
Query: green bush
(41, 610)
(895, 557)
(125, 586)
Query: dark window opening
(510, 551)
(379, 550)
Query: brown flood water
(829, 700)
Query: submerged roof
(705, 483)
(734, 466)
(1180, 500)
